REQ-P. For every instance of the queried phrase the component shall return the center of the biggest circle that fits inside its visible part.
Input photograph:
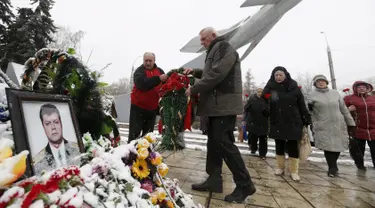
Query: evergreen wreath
(175, 109)
(62, 73)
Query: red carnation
(33, 194)
(246, 95)
(299, 86)
(346, 90)
(267, 96)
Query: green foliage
(71, 51)
(28, 32)
(173, 114)
(174, 106)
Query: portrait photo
(51, 131)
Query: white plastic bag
(304, 145)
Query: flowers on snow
(128, 175)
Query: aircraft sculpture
(249, 30)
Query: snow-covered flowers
(130, 175)
(142, 153)
(156, 158)
(163, 169)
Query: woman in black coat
(257, 113)
(288, 115)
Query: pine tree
(6, 19)
(42, 23)
(18, 46)
(30, 32)
(249, 84)
(6, 15)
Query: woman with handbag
(288, 115)
(331, 122)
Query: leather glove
(351, 130)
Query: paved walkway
(352, 189)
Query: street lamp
(330, 63)
(132, 73)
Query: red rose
(346, 90)
(267, 96)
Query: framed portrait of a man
(46, 125)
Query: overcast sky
(118, 31)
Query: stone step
(194, 140)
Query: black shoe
(361, 167)
(213, 185)
(253, 152)
(240, 194)
(333, 173)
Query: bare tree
(305, 81)
(122, 86)
(64, 39)
(249, 84)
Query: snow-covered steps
(195, 140)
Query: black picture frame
(15, 97)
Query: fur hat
(320, 77)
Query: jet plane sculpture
(249, 30)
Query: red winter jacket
(364, 115)
(146, 88)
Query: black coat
(256, 110)
(288, 111)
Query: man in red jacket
(362, 107)
(145, 97)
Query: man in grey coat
(220, 89)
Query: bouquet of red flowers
(175, 109)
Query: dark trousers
(253, 143)
(220, 146)
(140, 120)
(291, 145)
(331, 158)
(357, 149)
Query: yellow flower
(143, 143)
(163, 169)
(142, 153)
(151, 138)
(170, 204)
(5, 153)
(157, 160)
(140, 169)
(160, 193)
(154, 199)
(157, 181)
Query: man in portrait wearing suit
(58, 152)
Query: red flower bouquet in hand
(175, 109)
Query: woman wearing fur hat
(288, 115)
(331, 120)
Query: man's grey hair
(149, 54)
(209, 30)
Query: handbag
(304, 145)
